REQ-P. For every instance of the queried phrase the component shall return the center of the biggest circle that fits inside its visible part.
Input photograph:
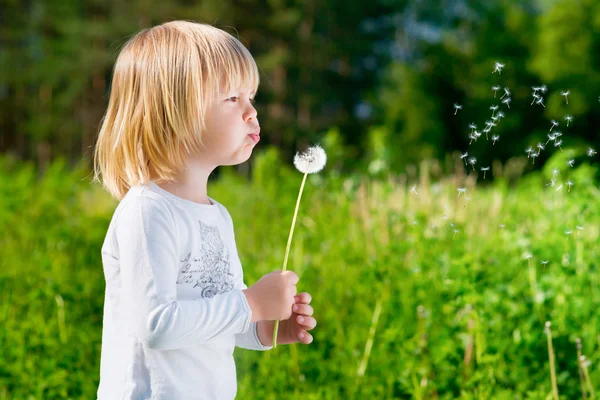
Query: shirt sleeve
(248, 340)
(147, 240)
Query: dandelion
(472, 126)
(551, 136)
(566, 94)
(568, 232)
(506, 93)
(557, 144)
(528, 256)
(311, 161)
(545, 262)
(485, 169)
(551, 183)
(456, 108)
(464, 157)
(414, 189)
(540, 100)
(472, 136)
(543, 88)
(533, 157)
(500, 115)
(557, 134)
(507, 101)
(569, 119)
(493, 108)
(591, 152)
(571, 162)
(461, 190)
(495, 138)
(529, 151)
(569, 184)
(579, 229)
(495, 89)
(498, 68)
(554, 123)
(472, 161)
(540, 148)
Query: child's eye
(233, 99)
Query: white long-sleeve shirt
(174, 308)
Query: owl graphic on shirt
(212, 274)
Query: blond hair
(164, 80)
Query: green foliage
(462, 315)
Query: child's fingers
(303, 309)
(305, 337)
(306, 322)
(303, 297)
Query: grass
(416, 296)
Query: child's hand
(293, 330)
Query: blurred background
(419, 292)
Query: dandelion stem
(365, 359)
(551, 357)
(287, 249)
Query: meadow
(420, 290)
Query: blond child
(175, 303)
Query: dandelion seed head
(591, 152)
(311, 161)
(544, 262)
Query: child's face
(229, 121)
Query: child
(175, 303)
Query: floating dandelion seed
(464, 157)
(554, 123)
(540, 101)
(506, 93)
(568, 232)
(472, 136)
(495, 89)
(472, 161)
(498, 68)
(540, 147)
(557, 144)
(559, 187)
(591, 152)
(495, 139)
(569, 119)
(551, 183)
(529, 150)
(472, 126)
(493, 108)
(500, 115)
(569, 184)
(571, 162)
(528, 256)
(461, 190)
(543, 88)
(507, 101)
(502, 226)
(551, 136)
(535, 97)
(533, 157)
(545, 262)
(311, 161)
(414, 189)
(566, 94)
(557, 134)
(579, 229)
(555, 171)
(456, 108)
(485, 169)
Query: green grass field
(460, 307)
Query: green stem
(287, 249)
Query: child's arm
(146, 235)
(251, 339)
